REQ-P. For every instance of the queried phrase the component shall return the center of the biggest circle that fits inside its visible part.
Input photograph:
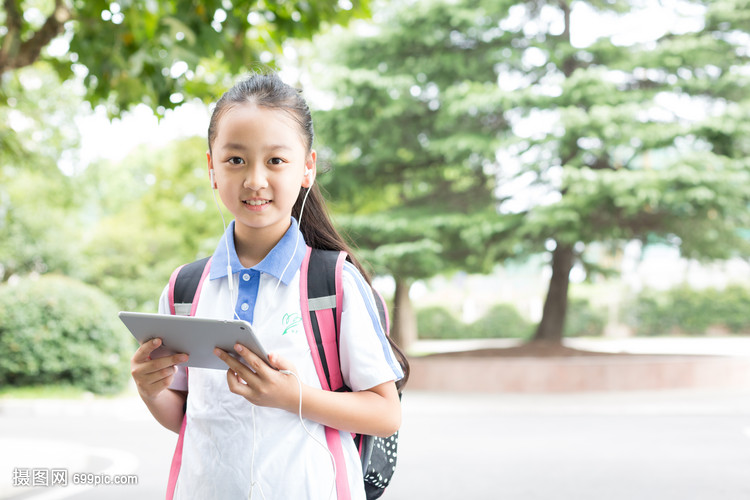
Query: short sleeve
(366, 357)
(179, 383)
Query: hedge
(504, 321)
(583, 320)
(56, 330)
(684, 310)
(501, 321)
(681, 310)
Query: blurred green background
(525, 170)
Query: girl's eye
(275, 161)
(235, 160)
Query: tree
(603, 141)
(40, 216)
(158, 53)
(418, 244)
(154, 213)
(635, 141)
(412, 172)
(56, 54)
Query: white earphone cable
(296, 243)
(322, 445)
(253, 482)
(230, 276)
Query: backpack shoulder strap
(321, 295)
(185, 285)
(184, 290)
(322, 292)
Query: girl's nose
(255, 179)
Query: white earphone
(309, 173)
(213, 179)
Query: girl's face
(259, 161)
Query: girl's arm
(375, 411)
(152, 378)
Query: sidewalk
(90, 435)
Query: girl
(242, 431)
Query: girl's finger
(237, 385)
(251, 359)
(226, 358)
(280, 363)
(145, 350)
(234, 364)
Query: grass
(49, 392)
(42, 392)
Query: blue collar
(274, 263)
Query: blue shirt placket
(247, 295)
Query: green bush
(733, 308)
(55, 330)
(689, 311)
(501, 321)
(438, 323)
(582, 320)
(648, 314)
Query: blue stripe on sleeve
(367, 296)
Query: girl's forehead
(253, 111)
(244, 117)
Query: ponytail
(319, 232)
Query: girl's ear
(211, 170)
(310, 170)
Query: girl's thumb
(279, 362)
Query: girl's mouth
(256, 203)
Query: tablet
(194, 336)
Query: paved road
(675, 445)
(686, 445)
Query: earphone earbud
(309, 173)
(213, 179)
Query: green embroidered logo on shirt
(290, 322)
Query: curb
(577, 374)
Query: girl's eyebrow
(272, 147)
(234, 145)
(275, 147)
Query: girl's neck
(252, 245)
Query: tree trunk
(404, 321)
(551, 326)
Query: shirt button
(246, 276)
(245, 307)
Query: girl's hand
(152, 376)
(259, 383)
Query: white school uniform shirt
(219, 440)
